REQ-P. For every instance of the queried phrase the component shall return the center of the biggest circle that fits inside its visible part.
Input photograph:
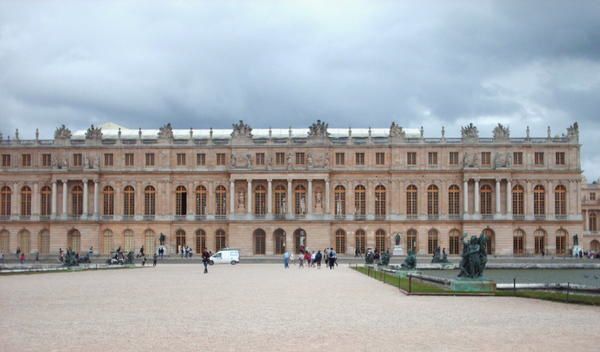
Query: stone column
(191, 195)
(498, 196)
(550, 198)
(476, 190)
(289, 197)
(508, 198)
(15, 206)
(528, 199)
(64, 199)
(232, 197)
(466, 197)
(85, 198)
(96, 192)
(577, 206)
(327, 196)
(269, 196)
(35, 200)
(53, 205)
(249, 198)
(309, 198)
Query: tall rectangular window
(340, 158)
(46, 160)
(432, 159)
(6, 160)
(260, 158)
(486, 158)
(108, 159)
(181, 159)
(360, 158)
(77, 159)
(128, 159)
(560, 158)
(26, 160)
(453, 158)
(411, 158)
(299, 158)
(149, 159)
(220, 158)
(280, 158)
(518, 158)
(380, 158)
(200, 159)
(539, 158)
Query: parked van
(225, 255)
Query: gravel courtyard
(264, 307)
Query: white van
(225, 255)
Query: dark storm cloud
(351, 63)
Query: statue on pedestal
(474, 256)
(410, 262)
(162, 239)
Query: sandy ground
(264, 307)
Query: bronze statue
(474, 256)
(162, 239)
(411, 261)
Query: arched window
(300, 201)
(380, 209)
(519, 242)
(149, 242)
(108, 196)
(433, 200)
(486, 199)
(46, 201)
(4, 241)
(340, 241)
(25, 201)
(518, 204)
(539, 200)
(220, 201)
(593, 222)
(201, 197)
(128, 201)
(76, 201)
(179, 240)
(74, 240)
(560, 200)
(200, 241)
(129, 240)
(432, 241)
(595, 246)
(279, 237)
(411, 200)
(300, 238)
(411, 240)
(149, 201)
(489, 233)
(260, 200)
(107, 242)
(361, 241)
(539, 237)
(260, 242)
(454, 200)
(380, 241)
(360, 200)
(220, 240)
(5, 199)
(44, 242)
(454, 242)
(24, 241)
(561, 242)
(280, 201)
(340, 200)
(180, 201)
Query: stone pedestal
(398, 250)
(473, 285)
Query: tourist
(313, 257)
(22, 258)
(300, 260)
(142, 251)
(332, 258)
(205, 260)
(286, 260)
(1, 258)
(326, 253)
(144, 261)
(307, 258)
(18, 252)
(318, 258)
(154, 257)
(61, 255)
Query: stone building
(265, 190)
(591, 212)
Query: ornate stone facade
(264, 190)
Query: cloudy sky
(280, 64)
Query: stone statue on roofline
(501, 133)
(318, 129)
(396, 132)
(94, 133)
(166, 131)
(241, 129)
(470, 133)
(62, 132)
(573, 132)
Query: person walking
(22, 258)
(332, 258)
(205, 260)
(286, 260)
(154, 258)
(318, 258)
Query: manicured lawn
(554, 296)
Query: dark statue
(385, 258)
(438, 257)
(369, 258)
(71, 258)
(162, 239)
(575, 240)
(474, 256)
(411, 261)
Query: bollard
(514, 285)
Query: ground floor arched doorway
(279, 240)
(299, 240)
(595, 246)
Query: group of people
(310, 259)
(185, 251)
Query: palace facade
(267, 190)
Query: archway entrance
(279, 239)
(595, 246)
(299, 240)
(259, 241)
